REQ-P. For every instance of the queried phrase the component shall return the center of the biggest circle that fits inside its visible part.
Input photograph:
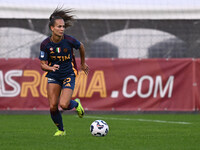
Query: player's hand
(85, 68)
(55, 67)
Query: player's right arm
(44, 59)
(46, 67)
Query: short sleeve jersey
(60, 53)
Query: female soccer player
(56, 57)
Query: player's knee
(64, 105)
(53, 107)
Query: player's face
(58, 28)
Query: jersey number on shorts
(66, 82)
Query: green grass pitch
(127, 132)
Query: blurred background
(109, 29)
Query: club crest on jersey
(51, 49)
(58, 49)
(65, 50)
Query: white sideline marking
(142, 120)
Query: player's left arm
(84, 66)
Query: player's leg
(67, 90)
(67, 103)
(53, 97)
(65, 99)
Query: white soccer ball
(99, 128)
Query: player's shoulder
(45, 41)
(69, 37)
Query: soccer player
(57, 58)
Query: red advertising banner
(112, 85)
(196, 84)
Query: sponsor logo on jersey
(51, 49)
(58, 49)
(60, 58)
